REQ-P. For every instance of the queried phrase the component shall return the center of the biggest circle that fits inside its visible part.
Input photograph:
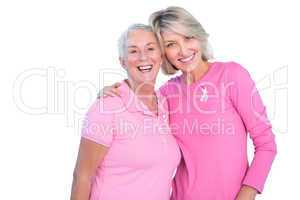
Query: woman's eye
(189, 37)
(151, 49)
(132, 51)
(169, 44)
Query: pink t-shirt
(210, 120)
(142, 155)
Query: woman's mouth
(145, 68)
(187, 59)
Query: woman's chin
(148, 77)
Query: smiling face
(143, 57)
(182, 51)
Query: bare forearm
(89, 158)
(80, 189)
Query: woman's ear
(122, 62)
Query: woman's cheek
(170, 55)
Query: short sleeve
(98, 124)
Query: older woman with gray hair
(127, 150)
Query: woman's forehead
(141, 37)
(174, 31)
(171, 35)
(140, 33)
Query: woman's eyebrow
(169, 41)
(150, 43)
(134, 46)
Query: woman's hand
(246, 193)
(111, 91)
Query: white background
(52, 54)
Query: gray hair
(180, 21)
(122, 42)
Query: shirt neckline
(204, 77)
(134, 104)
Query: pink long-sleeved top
(210, 119)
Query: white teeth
(187, 59)
(145, 68)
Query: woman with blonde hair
(213, 106)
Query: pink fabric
(210, 120)
(143, 154)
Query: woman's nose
(143, 56)
(183, 50)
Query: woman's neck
(143, 90)
(145, 93)
(196, 74)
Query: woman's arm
(90, 156)
(110, 91)
(249, 105)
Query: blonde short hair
(180, 21)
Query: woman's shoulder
(173, 80)
(106, 106)
(231, 69)
(169, 84)
(233, 66)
